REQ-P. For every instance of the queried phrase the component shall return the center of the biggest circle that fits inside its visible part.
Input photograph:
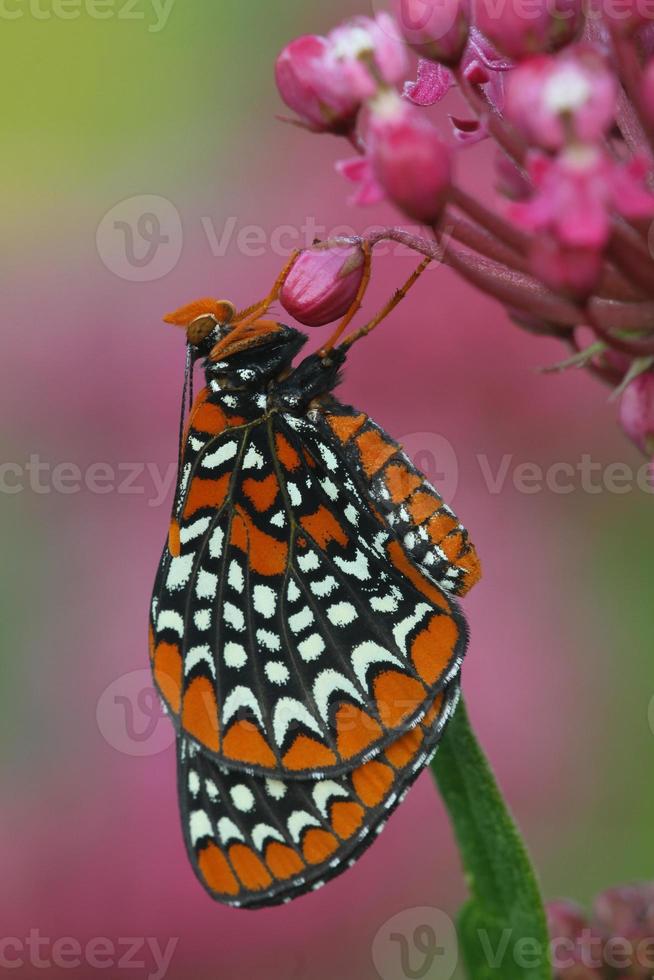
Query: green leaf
(503, 928)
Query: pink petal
(432, 85)
(469, 131)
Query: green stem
(503, 928)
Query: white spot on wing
(262, 832)
(298, 820)
(253, 459)
(341, 613)
(234, 617)
(228, 830)
(289, 710)
(196, 656)
(368, 653)
(169, 620)
(194, 530)
(276, 672)
(199, 826)
(179, 572)
(242, 797)
(235, 656)
(301, 620)
(311, 648)
(324, 790)
(265, 600)
(206, 585)
(241, 697)
(326, 683)
(404, 627)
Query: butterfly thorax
(255, 381)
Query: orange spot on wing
(355, 730)
(318, 846)
(207, 417)
(346, 818)
(261, 493)
(345, 426)
(422, 584)
(285, 452)
(266, 555)
(249, 868)
(397, 697)
(174, 543)
(374, 450)
(423, 505)
(323, 528)
(452, 545)
(470, 564)
(283, 861)
(372, 782)
(400, 753)
(216, 871)
(433, 712)
(400, 482)
(168, 674)
(307, 753)
(432, 649)
(200, 713)
(151, 641)
(206, 493)
(245, 743)
(440, 525)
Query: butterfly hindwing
(255, 841)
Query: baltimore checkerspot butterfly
(305, 636)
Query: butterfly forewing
(292, 634)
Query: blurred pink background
(558, 677)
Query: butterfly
(305, 635)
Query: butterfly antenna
(187, 402)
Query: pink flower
(576, 949)
(481, 65)
(637, 420)
(324, 282)
(557, 99)
(368, 53)
(406, 161)
(520, 29)
(310, 85)
(325, 80)
(576, 193)
(436, 29)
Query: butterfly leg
(356, 305)
(394, 301)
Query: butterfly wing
(256, 841)
(292, 635)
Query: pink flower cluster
(616, 942)
(566, 91)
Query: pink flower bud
(554, 100)
(324, 282)
(520, 28)
(310, 86)
(409, 159)
(436, 29)
(637, 420)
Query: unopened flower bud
(409, 159)
(554, 100)
(626, 915)
(576, 948)
(436, 29)
(311, 88)
(546, 26)
(324, 282)
(637, 420)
